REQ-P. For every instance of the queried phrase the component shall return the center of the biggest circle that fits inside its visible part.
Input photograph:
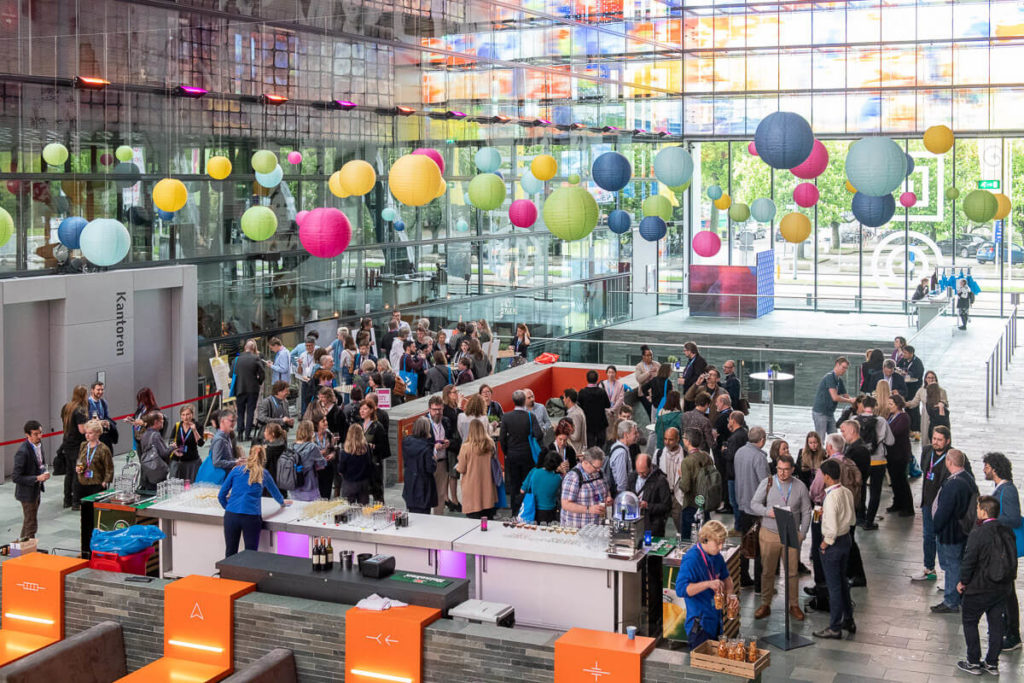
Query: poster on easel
(221, 370)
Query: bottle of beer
(329, 555)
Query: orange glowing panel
(386, 646)
(585, 656)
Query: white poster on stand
(384, 398)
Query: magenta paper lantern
(107, 159)
(522, 213)
(294, 158)
(908, 199)
(805, 195)
(707, 243)
(752, 149)
(815, 164)
(301, 216)
(325, 232)
(434, 155)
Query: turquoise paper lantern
(105, 242)
(673, 166)
(715, 192)
(570, 213)
(876, 166)
(270, 180)
(762, 210)
(488, 159)
(388, 214)
(530, 184)
(461, 225)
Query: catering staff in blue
(702, 574)
(241, 497)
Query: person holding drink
(704, 583)
(585, 492)
(188, 438)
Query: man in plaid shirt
(584, 491)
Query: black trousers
(902, 498)
(246, 406)
(70, 477)
(1012, 627)
(971, 609)
(854, 566)
(245, 526)
(876, 479)
(517, 468)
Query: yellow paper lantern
(723, 202)
(441, 189)
(1004, 207)
(850, 188)
(544, 167)
(938, 139)
(358, 177)
(795, 227)
(413, 179)
(336, 186)
(218, 167)
(170, 195)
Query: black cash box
(377, 567)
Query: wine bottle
(316, 554)
(329, 555)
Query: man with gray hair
(751, 466)
(618, 465)
(584, 491)
(518, 427)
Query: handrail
(999, 361)
(833, 354)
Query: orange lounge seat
(17, 644)
(173, 670)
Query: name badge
(88, 474)
(931, 476)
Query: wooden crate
(706, 657)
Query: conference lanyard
(932, 462)
(609, 389)
(789, 491)
(183, 434)
(712, 574)
(89, 454)
(320, 441)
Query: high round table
(771, 378)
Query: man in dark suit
(99, 410)
(593, 401)
(896, 383)
(514, 436)
(248, 381)
(29, 475)
(695, 367)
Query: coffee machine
(627, 526)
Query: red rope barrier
(119, 417)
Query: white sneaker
(924, 575)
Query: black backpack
(868, 431)
(970, 518)
(606, 468)
(290, 475)
(1001, 566)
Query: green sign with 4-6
(988, 185)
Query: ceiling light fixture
(190, 91)
(90, 83)
(273, 100)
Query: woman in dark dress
(873, 364)
(419, 489)
(188, 438)
(275, 441)
(377, 438)
(74, 414)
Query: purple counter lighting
(292, 545)
(451, 564)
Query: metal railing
(999, 361)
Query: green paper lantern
(657, 205)
(264, 161)
(739, 212)
(952, 194)
(570, 213)
(980, 206)
(486, 191)
(259, 223)
(679, 189)
(574, 179)
(6, 227)
(55, 154)
(124, 153)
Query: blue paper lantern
(488, 159)
(69, 232)
(165, 215)
(105, 242)
(530, 184)
(673, 166)
(910, 164)
(272, 179)
(461, 225)
(619, 221)
(653, 228)
(388, 214)
(876, 166)
(715, 192)
(399, 226)
(784, 140)
(611, 171)
(762, 210)
(873, 212)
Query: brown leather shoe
(762, 611)
(795, 612)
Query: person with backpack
(419, 457)
(669, 459)
(575, 414)
(584, 491)
(876, 435)
(785, 491)
(241, 497)
(304, 458)
(987, 574)
(998, 470)
(953, 516)
(838, 520)
(693, 481)
(618, 465)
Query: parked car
(987, 253)
(966, 245)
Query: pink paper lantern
(522, 213)
(908, 199)
(815, 164)
(434, 155)
(805, 195)
(752, 149)
(707, 243)
(294, 158)
(325, 232)
(107, 159)
(301, 216)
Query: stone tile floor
(898, 639)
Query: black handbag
(60, 463)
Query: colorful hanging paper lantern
(763, 210)
(783, 139)
(335, 185)
(908, 199)
(653, 228)
(574, 178)
(127, 173)
(752, 149)
(723, 202)
(7, 226)
(570, 213)
(1004, 206)
(657, 205)
(938, 139)
(530, 184)
(611, 171)
(107, 159)
(795, 227)
(55, 154)
(326, 232)
(358, 177)
(522, 213)
(673, 166)
(272, 179)
(104, 242)
(124, 153)
(707, 243)
(294, 157)
(433, 155)
(399, 226)
(488, 159)
(910, 164)
(544, 167)
(876, 166)
(301, 216)
(263, 161)
(486, 191)
(260, 223)
(714, 192)
(814, 165)
(218, 167)
(170, 195)
(952, 193)
(413, 179)
(850, 188)
(873, 212)
(461, 225)
(739, 212)
(619, 221)
(980, 206)
(69, 232)
(805, 195)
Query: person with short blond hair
(702, 574)
(95, 465)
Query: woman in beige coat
(479, 495)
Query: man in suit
(897, 384)
(29, 475)
(594, 402)
(514, 436)
(248, 381)
(273, 408)
(695, 367)
(99, 410)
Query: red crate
(123, 564)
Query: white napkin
(379, 604)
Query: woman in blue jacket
(241, 497)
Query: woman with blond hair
(355, 466)
(310, 460)
(475, 411)
(882, 394)
(479, 494)
(95, 465)
(241, 497)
